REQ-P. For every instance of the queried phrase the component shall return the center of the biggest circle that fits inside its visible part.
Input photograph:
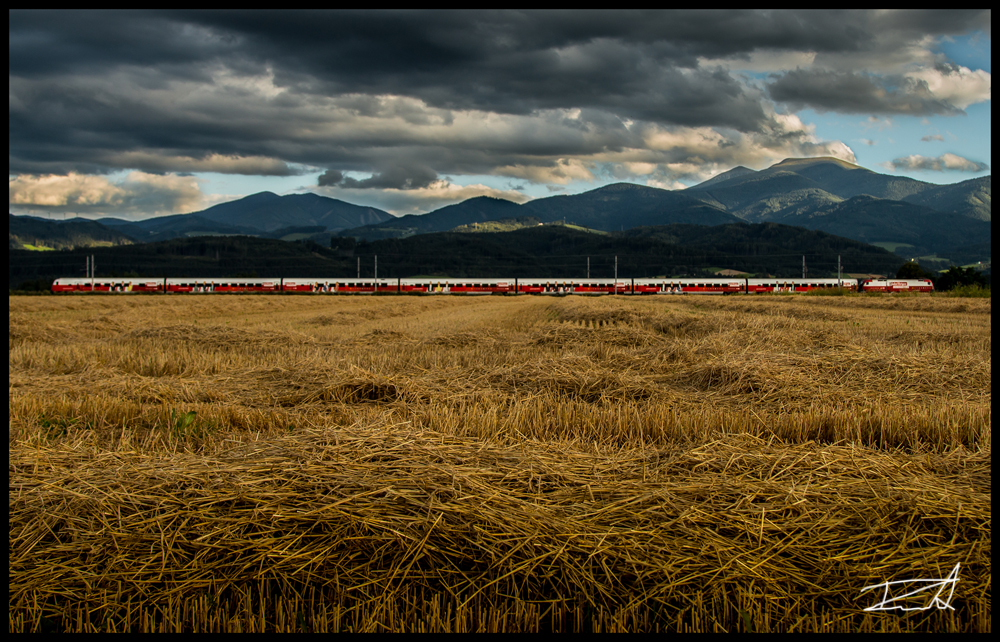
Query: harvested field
(272, 463)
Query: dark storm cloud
(398, 177)
(640, 65)
(389, 93)
(61, 41)
(330, 178)
(850, 92)
(501, 62)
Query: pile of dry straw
(396, 528)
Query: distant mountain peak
(267, 211)
(487, 198)
(816, 160)
(623, 187)
(259, 196)
(735, 172)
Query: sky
(136, 114)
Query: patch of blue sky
(532, 190)
(879, 140)
(973, 50)
(239, 185)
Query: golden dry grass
(467, 464)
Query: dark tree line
(556, 251)
(954, 277)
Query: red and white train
(898, 285)
(676, 285)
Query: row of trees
(949, 280)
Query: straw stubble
(620, 464)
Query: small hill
(474, 210)
(261, 214)
(29, 232)
(621, 206)
(869, 219)
(503, 225)
(972, 198)
(267, 212)
(163, 228)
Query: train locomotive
(480, 286)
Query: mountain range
(824, 194)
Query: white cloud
(880, 123)
(561, 172)
(219, 163)
(956, 85)
(136, 195)
(700, 153)
(942, 163)
(665, 184)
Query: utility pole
(92, 272)
(376, 272)
(840, 280)
(359, 267)
(616, 275)
(588, 267)
(803, 267)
